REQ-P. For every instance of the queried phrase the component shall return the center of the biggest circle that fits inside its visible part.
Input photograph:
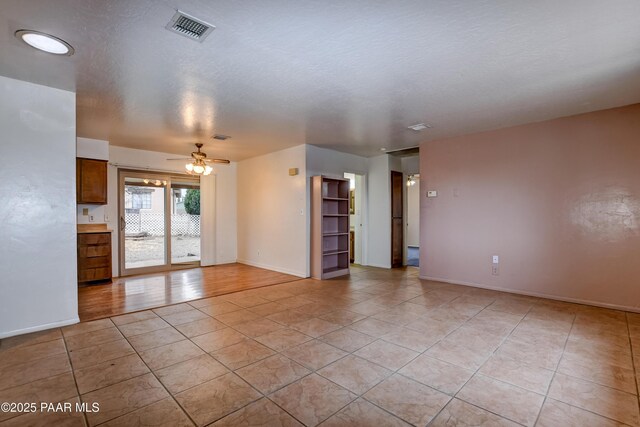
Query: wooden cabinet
(91, 181)
(329, 227)
(94, 256)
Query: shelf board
(334, 252)
(334, 272)
(334, 234)
(336, 198)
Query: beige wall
(272, 213)
(558, 201)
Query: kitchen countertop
(93, 228)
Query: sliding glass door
(159, 222)
(185, 221)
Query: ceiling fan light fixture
(198, 162)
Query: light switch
(432, 193)
(496, 259)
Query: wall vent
(189, 26)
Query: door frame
(168, 265)
(361, 229)
(396, 174)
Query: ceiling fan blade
(223, 161)
(182, 158)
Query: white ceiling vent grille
(189, 26)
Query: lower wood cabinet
(94, 257)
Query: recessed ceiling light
(420, 126)
(45, 42)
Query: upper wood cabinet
(91, 181)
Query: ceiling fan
(198, 162)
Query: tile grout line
(155, 376)
(555, 371)
(476, 372)
(393, 372)
(136, 376)
(73, 373)
(633, 359)
(589, 381)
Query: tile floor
(381, 348)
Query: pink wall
(558, 201)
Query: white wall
(273, 212)
(376, 195)
(359, 221)
(379, 198)
(38, 287)
(411, 164)
(92, 148)
(322, 161)
(413, 214)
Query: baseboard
(388, 267)
(534, 294)
(40, 327)
(273, 268)
(225, 261)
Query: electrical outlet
(106, 217)
(92, 218)
(494, 269)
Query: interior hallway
(378, 348)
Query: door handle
(123, 223)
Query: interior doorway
(413, 220)
(159, 221)
(397, 219)
(356, 217)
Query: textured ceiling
(349, 75)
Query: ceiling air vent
(420, 126)
(220, 137)
(189, 26)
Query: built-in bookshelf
(329, 227)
